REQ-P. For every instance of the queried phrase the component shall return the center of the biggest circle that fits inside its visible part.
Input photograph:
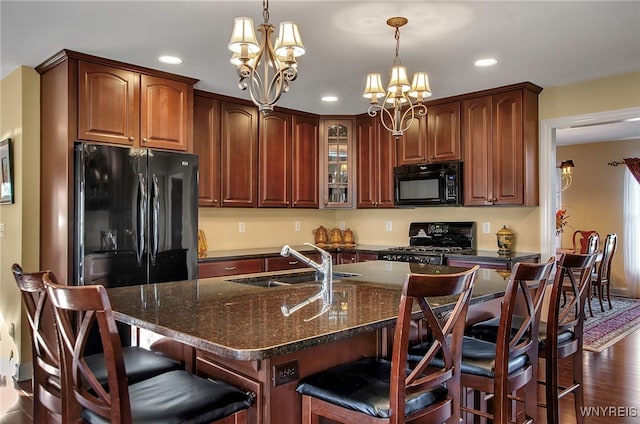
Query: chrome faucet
(325, 270)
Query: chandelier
(405, 100)
(265, 68)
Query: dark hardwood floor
(612, 388)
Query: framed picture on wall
(7, 172)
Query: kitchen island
(238, 332)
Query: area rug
(606, 328)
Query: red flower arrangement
(561, 220)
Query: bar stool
(48, 396)
(563, 333)
(374, 390)
(174, 396)
(504, 357)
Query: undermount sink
(289, 279)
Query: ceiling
(548, 43)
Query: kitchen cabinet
(121, 106)
(277, 263)
(338, 163)
(274, 152)
(305, 163)
(230, 267)
(206, 144)
(288, 161)
(376, 157)
(500, 138)
(238, 154)
(106, 101)
(443, 132)
(412, 146)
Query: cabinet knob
(230, 268)
(144, 139)
(131, 138)
(433, 157)
(215, 200)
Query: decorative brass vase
(506, 237)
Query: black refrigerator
(136, 215)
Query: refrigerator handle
(142, 213)
(155, 216)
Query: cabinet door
(376, 156)
(108, 104)
(347, 257)
(274, 167)
(305, 163)
(338, 169)
(206, 144)
(478, 180)
(366, 140)
(412, 146)
(164, 113)
(508, 159)
(239, 154)
(443, 132)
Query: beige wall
(600, 95)
(595, 198)
(20, 121)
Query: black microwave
(434, 184)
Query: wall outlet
(389, 226)
(486, 227)
(285, 373)
(297, 225)
(241, 226)
(1, 230)
(342, 225)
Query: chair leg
(578, 392)
(609, 295)
(551, 390)
(307, 416)
(600, 297)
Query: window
(631, 239)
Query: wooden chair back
(610, 244)
(447, 340)
(90, 304)
(584, 242)
(47, 369)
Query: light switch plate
(241, 226)
(1, 230)
(486, 227)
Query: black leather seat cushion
(364, 386)
(488, 330)
(180, 397)
(140, 364)
(478, 357)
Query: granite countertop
(494, 256)
(260, 252)
(244, 322)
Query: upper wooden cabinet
(305, 162)
(500, 138)
(274, 166)
(412, 146)
(443, 132)
(376, 157)
(338, 163)
(125, 107)
(239, 154)
(206, 144)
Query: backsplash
(386, 227)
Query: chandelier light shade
(265, 68)
(405, 100)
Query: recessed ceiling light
(481, 63)
(329, 99)
(171, 60)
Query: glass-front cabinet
(337, 172)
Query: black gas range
(429, 242)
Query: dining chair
(174, 396)
(500, 357)
(587, 246)
(602, 278)
(582, 243)
(561, 335)
(49, 399)
(376, 390)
